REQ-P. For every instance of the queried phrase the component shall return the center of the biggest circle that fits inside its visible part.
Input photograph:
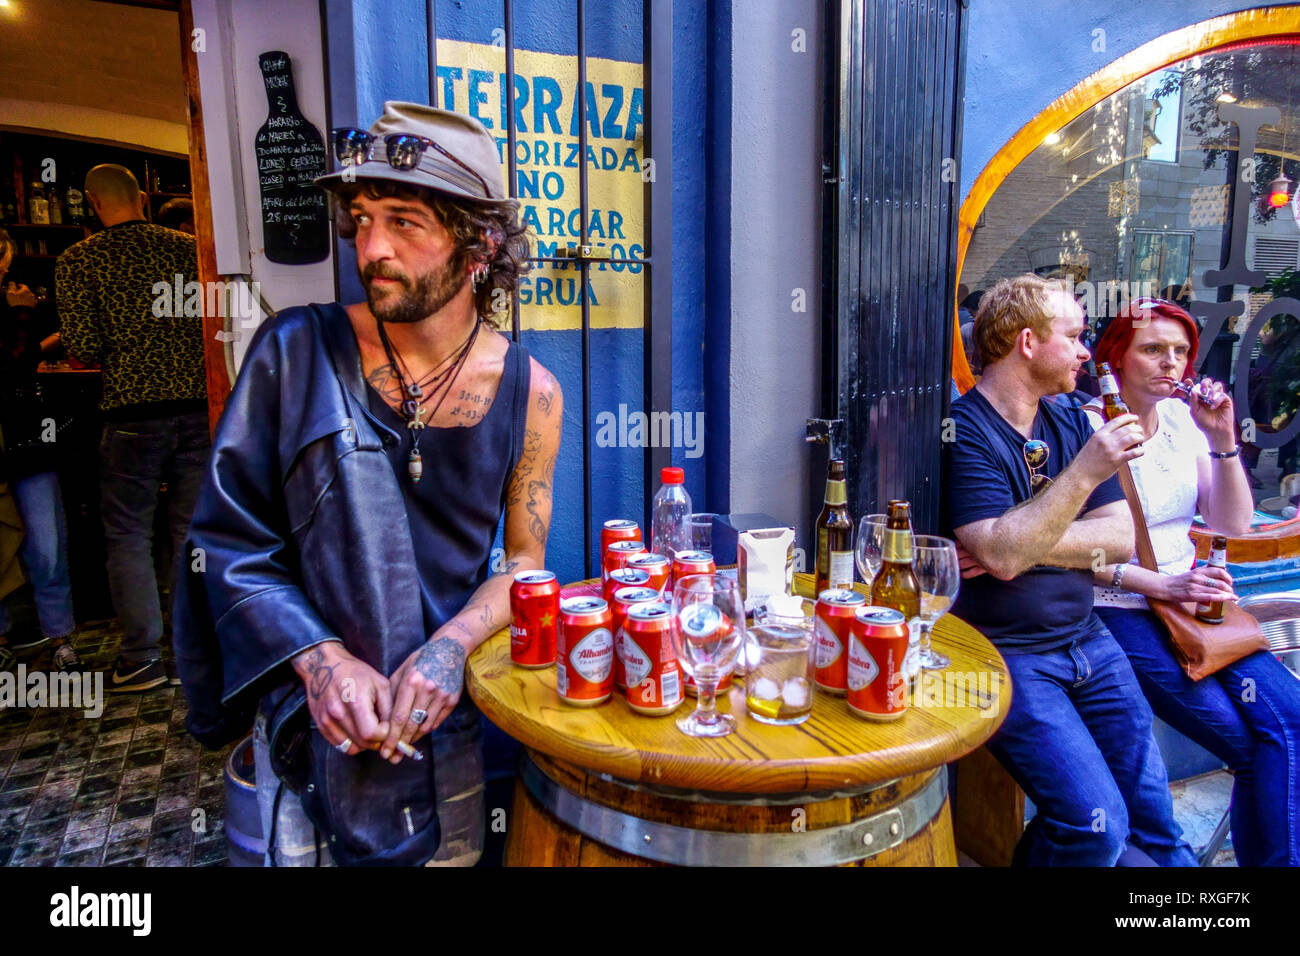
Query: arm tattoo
(442, 661)
(546, 393)
(532, 445)
(321, 674)
(539, 494)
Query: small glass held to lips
(708, 632)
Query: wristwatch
(1226, 454)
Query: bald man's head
(114, 193)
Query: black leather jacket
(299, 534)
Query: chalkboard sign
(290, 154)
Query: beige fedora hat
(459, 158)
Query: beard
(417, 300)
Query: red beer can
(692, 562)
(712, 622)
(645, 645)
(834, 618)
(625, 598)
(618, 529)
(534, 618)
(584, 667)
(619, 553)
(658, 566)
(878, 641)
(624, 578)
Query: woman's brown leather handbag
(1201, 648)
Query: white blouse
(1165, 477)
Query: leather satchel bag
(1201, 649)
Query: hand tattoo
(321, 673)
(442, 661)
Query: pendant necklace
(411, 408)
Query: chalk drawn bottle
(290, 154)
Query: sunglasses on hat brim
(353, 146)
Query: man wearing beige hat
(359, 473)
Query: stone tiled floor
(119, 790)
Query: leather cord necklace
(410, 408)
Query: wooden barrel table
(604, 786)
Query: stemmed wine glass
(934, 561)
(869, 546)
(708, 632)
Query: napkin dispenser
(762, 549)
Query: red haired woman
(1247, 714)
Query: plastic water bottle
(670, 515)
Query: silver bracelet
(1220, 455)
(1118, 576)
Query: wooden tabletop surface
(833, 748)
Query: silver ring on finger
(345, 746)
(419, 716)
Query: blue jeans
(44, 553)
(1078, 740)
(135, 458)
(1247, 715)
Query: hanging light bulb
(1279, 191)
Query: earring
(479, 274)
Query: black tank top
(457, 505)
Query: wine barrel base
(566, 816)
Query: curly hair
(474, 228)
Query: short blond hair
(1010, 306)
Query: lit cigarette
(406, 750)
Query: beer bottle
(1212, 612)
(834, 534)
(895, 584)
(1111, 404)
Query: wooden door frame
(214, 350)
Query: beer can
(624, 578)
(878, 638)
(584, 666)
(703, 622)
(692, 562)
(534, 618)
(654, 678)
(834, 618)
(619, 553)
(625, 598)
(657, 565)
(618, 529)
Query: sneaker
(127, 678)
(7, 658)
(173, 677)
(28, 643)
(66, 659)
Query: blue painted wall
(1022, 54)
(360, 82)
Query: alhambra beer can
(584, 666)
(624, 599)
(834, 618)
(654, 678)
(878, 639)
(657, 566)
(621, 578)
(617, 529)
(619, 553)
(534, 618)
(692, 562)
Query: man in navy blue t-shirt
(1033, 501)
